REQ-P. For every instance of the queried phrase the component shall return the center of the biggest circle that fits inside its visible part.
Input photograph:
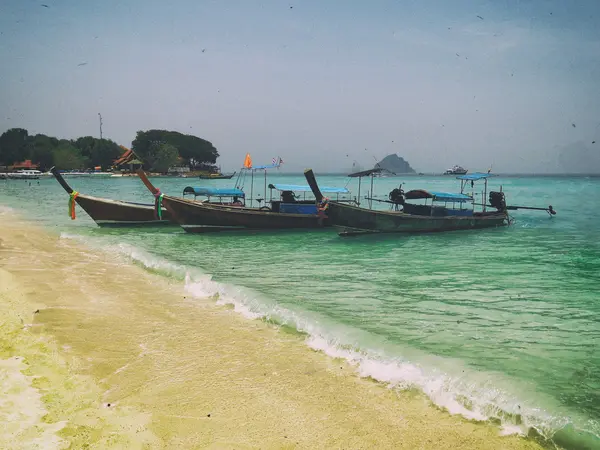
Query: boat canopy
(303, 188)
(366, 173)
(213, 192)
(474, 176)
(437, 196)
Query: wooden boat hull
(356, 220)
(114, 213)
(197, 217)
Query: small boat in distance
(25, 174)
(456, 170)
(217, 176)
(113, 213)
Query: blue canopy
(437, 196)
(213, 192)
(450, 197)
(304, 188)
(474, 176)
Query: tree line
(157, 150)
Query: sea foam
(471, 394)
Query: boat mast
(371, 194)
(251, 185)
(484, 200)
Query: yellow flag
(248, 161)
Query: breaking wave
(474, 395)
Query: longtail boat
(288, 212)
(217, 176)
(113, 213)
(446, 211)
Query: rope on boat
(72, 197)
(158, 196)
(322, 207)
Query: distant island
(395, 164)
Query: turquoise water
(501, 323)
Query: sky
(514, 85)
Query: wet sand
(178, 372)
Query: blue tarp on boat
(303, 188)
(213, 192)
(474, 176)
(450, 197)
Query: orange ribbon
(72, 199)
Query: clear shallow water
(499, 323)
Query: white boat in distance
(456, 170)
(25, 174)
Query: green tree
(41, 150)
(163, 156)
(100, 152)
(13, 146)
(192, 149)
(68, 157)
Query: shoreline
(179, 373)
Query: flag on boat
(248, 161)
(277, 161)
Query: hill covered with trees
(395, 164)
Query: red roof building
(127, 156)
(27, 164)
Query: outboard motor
(288, 197)
(497, 200)
(396, 196)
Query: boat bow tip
(61, 180)
(312, 182)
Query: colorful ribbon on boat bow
(322, 209)
(72, 198)
(158, 196)
(323, 205)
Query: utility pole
(100, 117)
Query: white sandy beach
(176, 372)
